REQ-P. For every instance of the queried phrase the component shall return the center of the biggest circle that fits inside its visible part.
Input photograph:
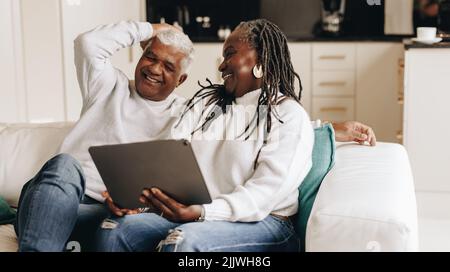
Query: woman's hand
(169, 208)
(116, 210)
(354, 131)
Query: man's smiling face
(159, 71)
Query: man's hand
(116, 210)
(157, 28)
(354, 131)
(169, 208)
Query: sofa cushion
(366, 202)
(322, 161)
(24, 149)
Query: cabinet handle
(399, 135)
(401, 70)
(333, 83)
(331, 57)
(327, 109)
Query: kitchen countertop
(409, 44)
(414, 45)
(386, 38)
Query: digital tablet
(170, 165)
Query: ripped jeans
(151, 232)
(54, 210)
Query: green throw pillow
(7, 215)
(322, 162)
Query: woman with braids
(253, 141)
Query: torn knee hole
(109, 224)
(174, 238)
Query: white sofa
(365, 203)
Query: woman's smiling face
(237, 66)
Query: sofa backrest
(24, 148)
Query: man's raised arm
(94, 49)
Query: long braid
(278, 75)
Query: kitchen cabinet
(359, 81)
(333, 76)
(426, 131)
(379, 87)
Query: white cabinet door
(301, 60)
(427, 93)
(207, 59)
(378, 87)
(78, 16)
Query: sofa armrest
(366, 202)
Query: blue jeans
(150, 232)
(53, 209)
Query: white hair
(180, 41)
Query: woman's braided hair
(278, 74)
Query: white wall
(37, 62)
(80, 16)
(12, 96)
(43, 60)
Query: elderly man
(66, 194)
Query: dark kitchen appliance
(362, 19)
(444, 17)
(332, 17)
